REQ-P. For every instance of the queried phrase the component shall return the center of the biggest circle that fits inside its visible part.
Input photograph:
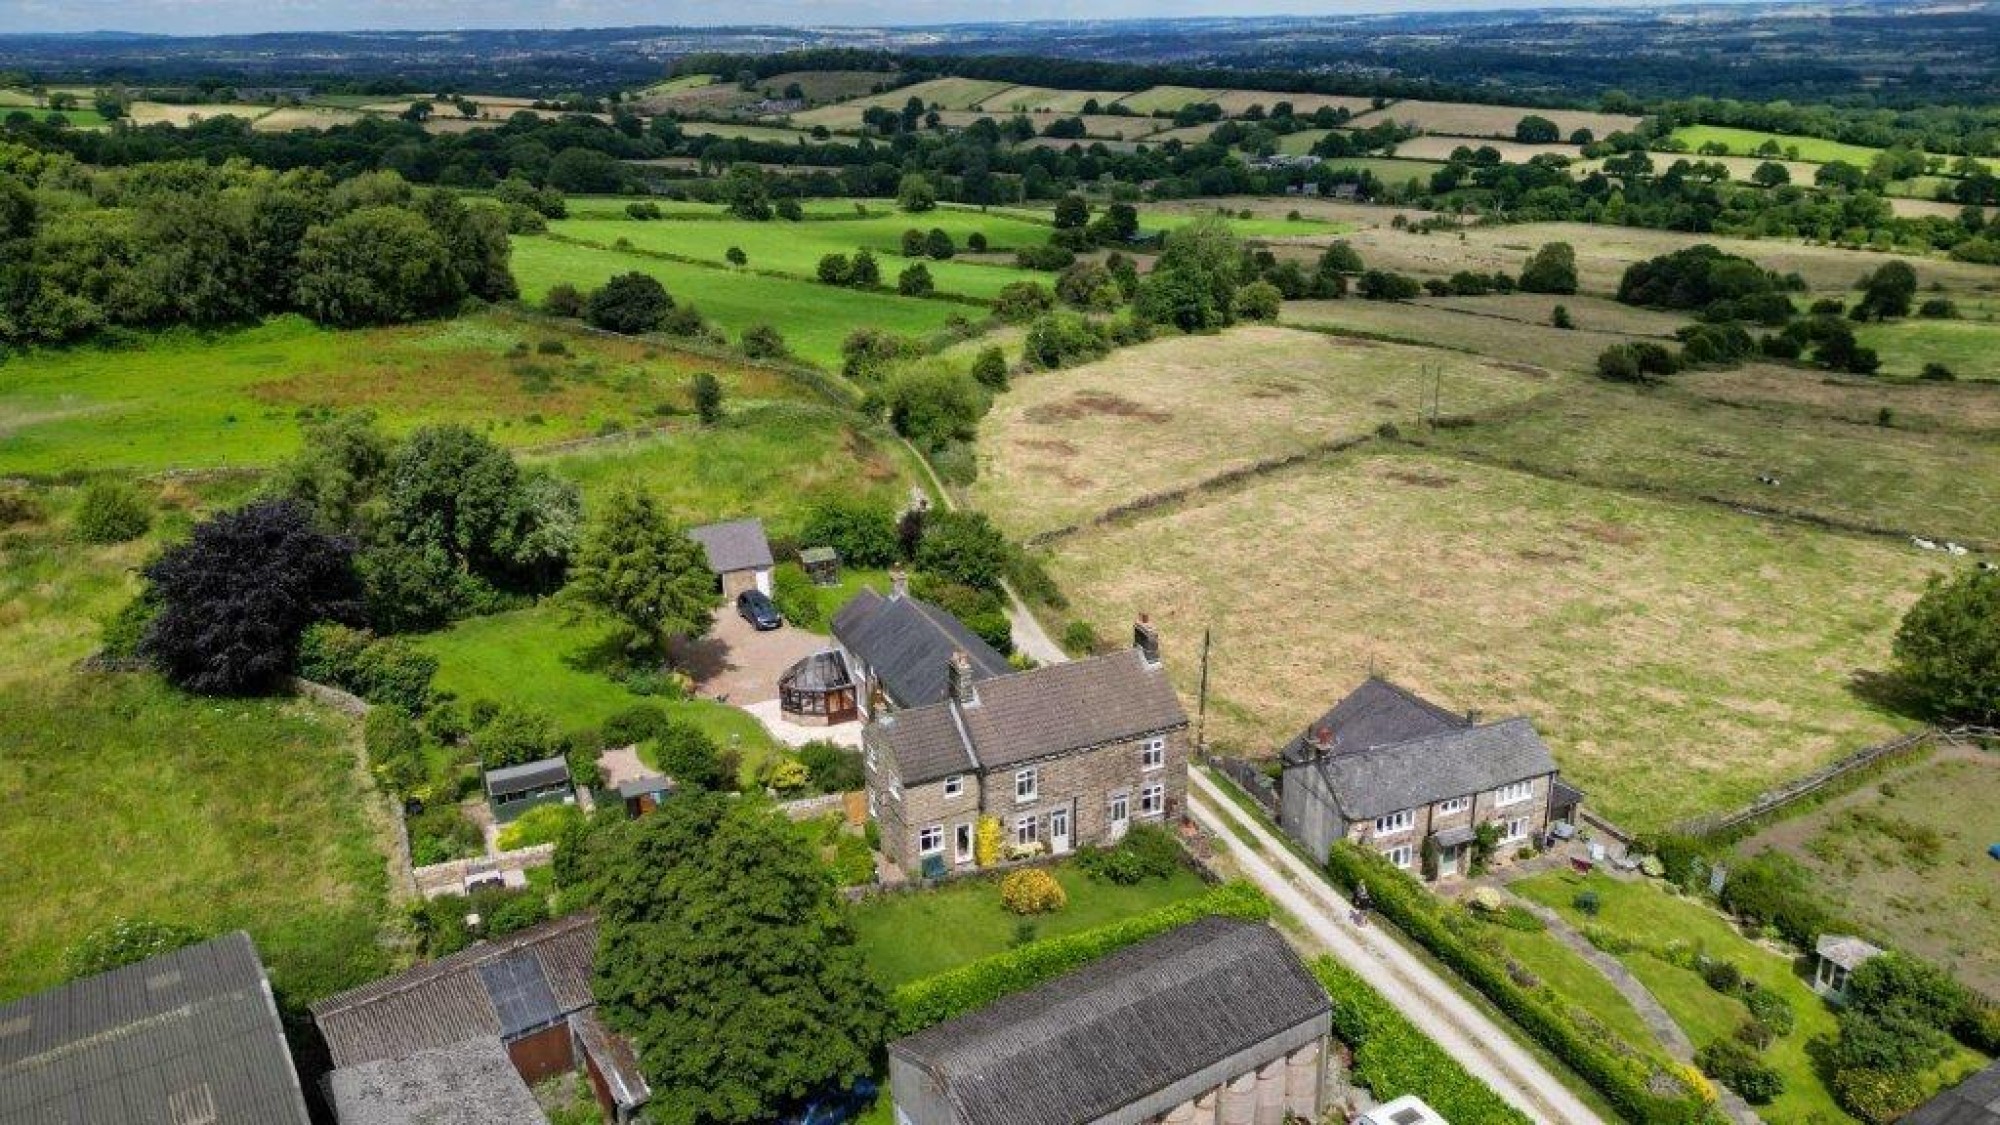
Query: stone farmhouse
(1390, 770)
(1061, 756)
(1214, 1022)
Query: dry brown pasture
(181, 116)
(1468, 329)
(1434, 146)
(944, 93)
(1063, 446)
(1603, 252)
(304, 117)
(1679, 658)
(1965, 407)
(1235, 102)
(1105, 125)
(1359, 215)
(1740, 167)
(1028, 99)
(1464, 119)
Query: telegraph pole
(1201, 702)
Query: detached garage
(738, 553)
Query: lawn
(217, 814)
(1745, 142)
(1905, 857)
(908, 936)
(1580, 985)
(1970, 347)
(1463, 119)
(1029, 99)
(1679, 658)
(1439, 147)
(796, 248)
(185, 399)
(813, 318)
(1062, 446)
(1643, 913)
(542, 660)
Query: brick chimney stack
(1146, 639)
(899, 582)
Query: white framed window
(1513, 794)
(1121, 807)
(1153, 754)
(1401, 855)
(961, 842)
(895, 791)
(1152, 800)
(1027, 830)
(930, 839)
(1396, 822)
(1455, 805)
(1514, 829)
(954, 785)
(871, 802)
(1027, 784)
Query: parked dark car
(756, 608)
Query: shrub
(543, 824)
(1063, 338)
(1878, 1096)
(1259, 300)
(1032, 891)
(517, 736)
(863, 534)
(1022, 301)
(1772, 1010)
(1551, 269)
(395, 748)
(986, 841)
(633, 725)
(1080, 639)
(915, 281)
(1392, 1058)
(563, 299)
(126, 941)
(1148, 851)
(989, 370)
(1049, 258)
(796, 597)
(1723, 976)
(922, 1003)
(1381, 285)
(1586, 903)
(112, 512)
(1938, 308)
(442, 832)
(384, 671)
(833, 768)
(629, 303)
(853, 860)
(1738, 1067)
(761, 341)
(1559, 318)
(1754, 1034)
(1772, 889)
(1937, 373)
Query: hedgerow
(1624, 1081)
(1393, 1058)
(934, 999)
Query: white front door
(1059, 831)
(1119, 817)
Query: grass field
(1028, 99)
(1235, 103)
(796, 248)
(213, 814)
(1576, 981)
(1745, 142)
(160, 113)
(1679, 658)
(237, 397)
(1438, 147)
(908, 936)
(745, 131)
(939, 93)
(774, 460)
(1512, 329)
(1065, 445)
(1645, 914)
(813, 318)
(1905, 857)
(304, 117)
(1463, 119)
(1165, 99)
(1970, 347)
(542, 660)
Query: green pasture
(188, 398)
(745, 132)
(1744, 142)
(1156, 99)
(796, 248)
(813, 318)
(910, 936)
(1969, 346)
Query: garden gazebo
(818, 691)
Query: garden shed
(819, 691)
(513, 790)
(739, 554)
(822, 565)
(1838, 955)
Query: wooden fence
(1800, 788)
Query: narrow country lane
(1429, 1001)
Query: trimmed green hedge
(1393, 1058)
(1621, 1079)
(934, 999)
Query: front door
(1059, 831)
(1118, 817)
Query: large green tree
(455, 490)
(377, 265)
(726, 957)
(1948, 649)
(639, 567)
(1193, 285)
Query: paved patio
(737, 664)
(798, 734)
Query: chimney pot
(1323, 737)
(899, 582)
(1472, 716)
(1146, 639)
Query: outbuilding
(738, 553)
(513, 790)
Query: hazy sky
(202, 17)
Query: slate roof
(1119, 1029)
(614, 1058)
(1377, 713)
(1025, 716)
(191, 1035)
(527, 776)
(1455, 763)
(906, 643)
(538, 975)
(1975, 1101)
(1848, 952)
(469, 1083)
(734, 545)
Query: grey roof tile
(468, 1083)
(906, 643)
(1456, 763)
(526, 776)
(1377, 713)
(734, 545)
(1975, 1101)
(1121, 1028)
(192, 1032)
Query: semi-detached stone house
(1063, 756)
(1394, 772)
